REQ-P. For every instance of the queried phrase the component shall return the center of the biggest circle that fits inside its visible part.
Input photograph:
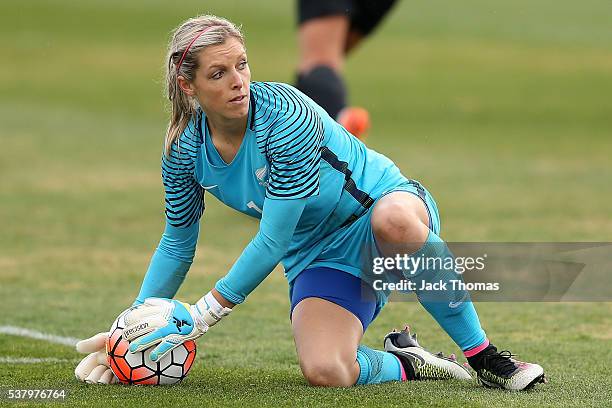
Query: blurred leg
(321, 41)
(353, 39)
(329, 30)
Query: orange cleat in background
(356, 120)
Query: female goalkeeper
(326, 205)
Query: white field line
(32, 360)
(33, 334)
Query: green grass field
(502, 109)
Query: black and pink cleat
(419, 363)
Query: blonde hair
(187, 41)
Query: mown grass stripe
(33, 334)
(33, 360)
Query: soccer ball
(137, 368)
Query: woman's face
(221, 83)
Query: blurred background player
(328, 31)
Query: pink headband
(178, 66)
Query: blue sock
(378, 366)
(452, 309)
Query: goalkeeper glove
(94, 369)
(168, 323)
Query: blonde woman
(325, 203)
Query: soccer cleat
(419, 363)
(499, 370)
(356, 120)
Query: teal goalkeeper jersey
(296, 167)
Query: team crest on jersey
(262, 176)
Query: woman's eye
(243, 64)
(217, 75)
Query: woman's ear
(185, 86)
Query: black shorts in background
(364, 15)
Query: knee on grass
(323, 373)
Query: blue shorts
(336, 286)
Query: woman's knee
(323, 372)
(400, 220)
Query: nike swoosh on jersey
(209, 187)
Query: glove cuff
(209, 311)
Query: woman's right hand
(94, 368)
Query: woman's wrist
(222, 301)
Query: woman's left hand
(168, 323)
(165, 322)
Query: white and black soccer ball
(137, 368)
